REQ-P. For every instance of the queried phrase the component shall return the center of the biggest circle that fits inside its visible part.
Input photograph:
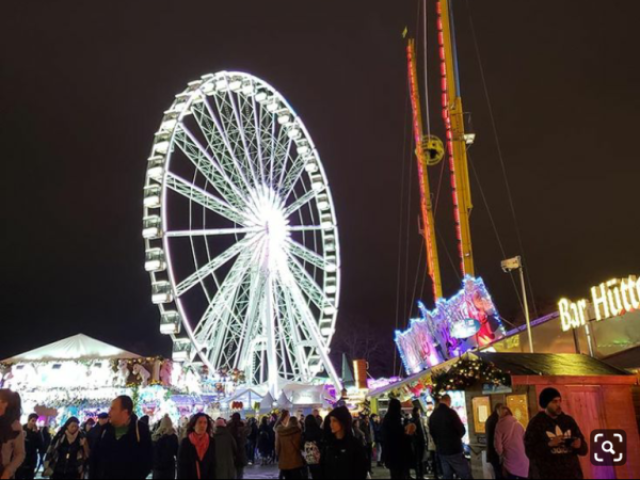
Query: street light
(516, 264)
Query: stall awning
(79, 347)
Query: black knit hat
(343, 415)
(547, 396)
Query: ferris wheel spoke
(207, 200)
(285, 154)
(293, 176)
(213, 232)
(216, 319)
(312, 228)
(218, 142)
(307, 255)
(208, 166)
(251, 324)
(302, 201)
(227, 134)
(193, 280)
(309, 285)
(295, 326)
(258, 138)
(316, 336)
(243, 138)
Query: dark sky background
(83, 87)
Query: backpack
(312, 453)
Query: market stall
(597, 395)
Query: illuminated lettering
(615, 299)
(611, 299)
(634, 292)
(625, 289)
(565, 315)
(601, 302)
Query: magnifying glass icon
(607, 447)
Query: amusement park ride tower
(430, 150)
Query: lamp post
(516, 264)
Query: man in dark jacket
(240, 433)
(448, 431)
(34, 446)
(124, 450)
(93, 437)
(343, 456)
(492, 456)
(554, 441)
(420, 443)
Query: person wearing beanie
(554, 441)
(343, 456)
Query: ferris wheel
(241, 234)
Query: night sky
(83, 90)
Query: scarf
(71, 439)
(53, 454)
(201, 442)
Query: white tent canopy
(80, 347)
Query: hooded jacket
(344, 458)
(560, 462)
(289, 447)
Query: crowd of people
(122, 446)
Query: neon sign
(608, 300)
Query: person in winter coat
(93, 437)
(68, 453)
(398, 451)
(376, 426)
(12, 436)
(226, 451)
(252, 441)
(240, 433)
(313, 444)
(420, 443)
(343, 456)
(197, 455)
(367, 430)
(165, 450)
(554, 441)
(264, 441)
(492, 456)
(124, 450)
(34, 446)
(509, 445)
(448, 431)
(289, 448)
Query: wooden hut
(597, 395)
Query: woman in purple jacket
(509, 443)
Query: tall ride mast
(453, 115)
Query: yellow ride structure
(430, 150)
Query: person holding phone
(554, 441)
